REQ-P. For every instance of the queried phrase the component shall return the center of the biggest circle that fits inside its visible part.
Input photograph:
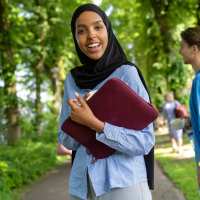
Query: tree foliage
(37, 51)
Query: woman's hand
(82, 114)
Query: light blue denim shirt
(126, 166)
(195, 114)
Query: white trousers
(138, 191)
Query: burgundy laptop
(116, 103)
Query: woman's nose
(91, 33)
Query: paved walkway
(51, 187)
(164, 188)
(54, 186)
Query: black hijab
(92, 71)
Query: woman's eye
(80, 31)
(98, 27)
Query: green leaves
(23, 163)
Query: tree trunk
(38, 104)
(12, 114)
(38, 70)
(161, 8)
(56, 87)
(13, 128)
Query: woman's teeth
(93, 45)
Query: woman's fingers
(78, 102)
(73, 103)
(81, 100)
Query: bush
(48, 128)
(23, 163)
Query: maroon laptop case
(116, 103)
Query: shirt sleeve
(64, 138)
(125, 140)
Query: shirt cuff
(110, 132)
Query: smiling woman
(122, 175)
(91, 35)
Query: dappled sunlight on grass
(188, 152)
(63, 159)
(180, 168)
(164, 149)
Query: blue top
(126, 166)
(195, 114)
(169, 110)
(169, 113)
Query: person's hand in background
(62, 150)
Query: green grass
(22, 164)
(181, 170)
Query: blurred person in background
(175, 133)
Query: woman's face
(91, 34)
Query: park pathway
(54, 186)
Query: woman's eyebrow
(96, 22)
